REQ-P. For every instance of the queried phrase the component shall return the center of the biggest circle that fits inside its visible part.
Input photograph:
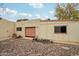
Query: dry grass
(22, 47)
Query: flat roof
(58, 20)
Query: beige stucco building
(57, 31)
(7, 28)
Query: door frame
(30, 36)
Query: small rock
(66, 48)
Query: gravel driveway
(24, 47)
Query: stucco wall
(45, 30)
(7, 28)
(24, 24)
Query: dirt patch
(24, 47)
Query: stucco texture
(45, 30)
(7, 28)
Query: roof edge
(57, 20)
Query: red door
(30, 32)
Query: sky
(14, 11)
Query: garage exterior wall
(7, 28)
(25, 24)
(45, 30)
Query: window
(19, 29)
(60, 29)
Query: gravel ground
(24, 47)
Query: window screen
(60, 29)
(19, 29)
